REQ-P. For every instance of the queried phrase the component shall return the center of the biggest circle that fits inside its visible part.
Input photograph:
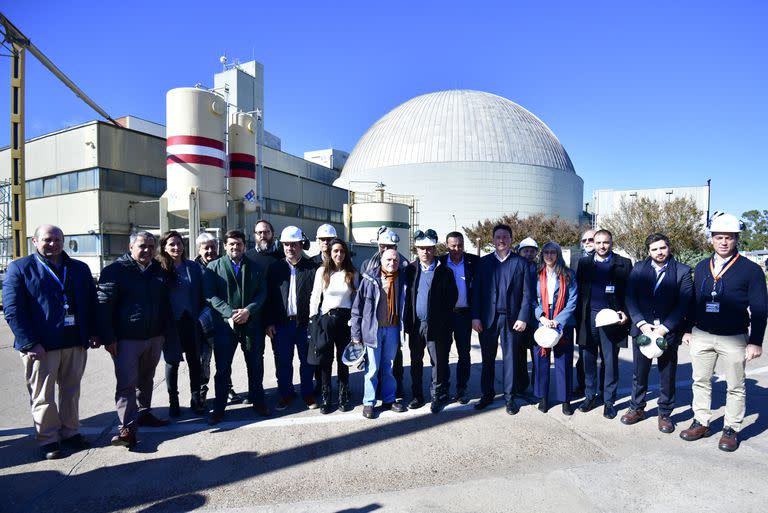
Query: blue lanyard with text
(56, 278)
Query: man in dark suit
(289, 284)
(235, 288)
(430, 297)
(602, 280)
(464, 266)
(659, 293)
(502, 302)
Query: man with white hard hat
(325, 234)
(528, 249)
(289, 288)
(602, 281)
(728, 322)
(430, 297)
(659, 294)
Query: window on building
(82, 245)
(34, 188)
(131, 182)
(67, 183)
(336, 217)
(86, 180)
(50, 186)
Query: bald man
(49, 301)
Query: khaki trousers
(135, 365)
(65, 367)
(705, 351)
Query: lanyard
(719, 276)
(56, 278)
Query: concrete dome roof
(457, 126)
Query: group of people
(156, 301)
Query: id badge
(610, 289)
(712, 307)
(69, 320)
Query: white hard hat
(425, 239)
(527, 243)
(606, 317)
(651, 347)
(291, 234)
(547, 337)
(353, 354)
(388, 237)
(326, 231)
(722, 222)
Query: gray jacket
(365, 322)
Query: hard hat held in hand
(353, 354)
(651, 347)
(548, 337)
(607, 317)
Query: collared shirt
(719, 262)
(236, 266)
(142, 267)
(499, 258)
(461, 281)
(598, 258)
(551, 281)
(291, 308)
(423, 288)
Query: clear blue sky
(641, 94)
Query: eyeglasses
(588, 240)
(262, 232)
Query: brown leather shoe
(126, 437)
(665, 424)
(696, 431)
(728, 442)
(633, 417)
(148, 420)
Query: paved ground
(459, 460)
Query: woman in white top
(333, 293)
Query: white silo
(195, 151)
(242, 160)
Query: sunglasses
(429, 234)
(588, 240)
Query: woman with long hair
(333, 293)
(555, 308)
(186, 292)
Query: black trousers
(224, 347)
(185, 327)
(462, 334)
(439, 352)
(339, 335)
(667, 364)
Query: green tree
(755, 233)
(678, 219)
(539, 226)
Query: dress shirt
(461, 281)
(291, 308)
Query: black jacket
(617, 276)
(440, 302)
(470, 267)
(669, 304)
(133, 304)
(278, 284)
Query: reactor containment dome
(466, 156)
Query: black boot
(344, 397)
(172, 381)
(327, 405)
(197, 405)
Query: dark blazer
(618, 276)
(470, 269)
(33, 306)
(671, 302)
(226, 292)
(521, 294)
(278, 284)
(440, 302)
(134, 304)
(172, 350)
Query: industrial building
(99, 182)
(465, 156)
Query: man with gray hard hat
(728, 323)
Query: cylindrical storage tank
(368, 217)
(195, 121)
(242, 160)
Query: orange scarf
(559, 304)
(390, 280)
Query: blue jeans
(380, 359)
(288, 336)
